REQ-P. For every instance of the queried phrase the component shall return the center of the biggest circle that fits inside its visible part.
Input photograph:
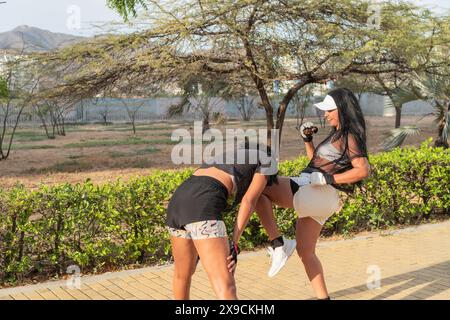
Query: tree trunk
(63, 126)
(281, 113)
(398, 116)
(267, 108)
(205, 123)
(245, 107)
(54, 123)
(60, 122)
(269, 124)
(5, 123)
(440, 142)
(16, 123)
(300, 110)
(44, 124)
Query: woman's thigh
(184, 255)
(280, 193)
(213, 254)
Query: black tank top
(244, 165)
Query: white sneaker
(280, 255)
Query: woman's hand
(231, 265)
(321, 179)
(307, 130)
(232, 258)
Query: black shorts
(199, 198)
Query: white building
(5, 57)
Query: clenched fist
(307, 130)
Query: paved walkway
(412, 263)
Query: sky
(79, 17)
(65, 16)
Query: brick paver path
(413, 263)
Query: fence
(152, 109)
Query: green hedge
(103, 227)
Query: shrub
(100, 227)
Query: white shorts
(323, 199)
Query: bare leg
(307, 233)
(213, 255)
(185, 261)
(279, 194)
(265, 214)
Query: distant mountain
(35, 39)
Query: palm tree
(434, 88)
(399, 89)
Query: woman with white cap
(337, 163)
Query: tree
(296, 42)
(428, 57)
(434, 88)
(17, 88)
(246, 106)
(395, 86)
(51, 107)
(58, 111)
(399, 89)
(130, 95)
(300, 102)
(42, 110)
(54, 112)
(303, 41)
(3, 88)
(358, 84)
(243, 96)
(200, 95)
(104, 110)
(132, 108)
(126, 7)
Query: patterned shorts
(201, 230)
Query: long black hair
(351, 120)
(352, 124)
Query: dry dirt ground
(36, 159)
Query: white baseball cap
(327, 104)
